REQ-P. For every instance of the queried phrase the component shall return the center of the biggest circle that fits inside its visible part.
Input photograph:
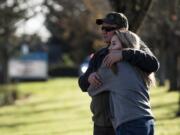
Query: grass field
(58, 107)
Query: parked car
(84, 65)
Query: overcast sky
(35, 24)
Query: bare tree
(10, 13)
(135, 10)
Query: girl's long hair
(132, 40)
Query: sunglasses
(108, 29)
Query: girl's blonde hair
(128, 39)
(131, 40)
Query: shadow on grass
(70, 131)
(158, 94)
(54, 109)
(167, 118)
(37, 122)
(60, 132)
(164, 105)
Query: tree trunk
(178, 112)
(172, 71)
(162, 70)
(135, 10)
(4, 61)
(5, 56)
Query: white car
(85, 64)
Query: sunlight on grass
(164, 106)
(58, 107)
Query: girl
(129, 106)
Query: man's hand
(113, 57)
(95, 80)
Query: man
(144, 60)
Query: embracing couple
(118, 80)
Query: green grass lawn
(58, 107)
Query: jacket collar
(104, 51)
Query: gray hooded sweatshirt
(129, 97)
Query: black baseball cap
(114, 18)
